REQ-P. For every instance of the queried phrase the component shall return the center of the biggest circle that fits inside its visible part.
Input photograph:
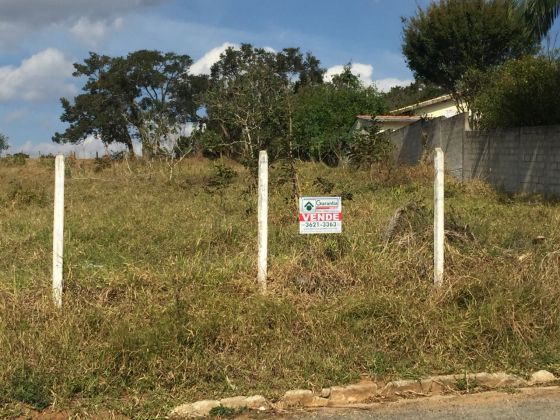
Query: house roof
(396, 118)
(390, 118)
(423, 104)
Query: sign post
(439, 233)
(58, 230)
(262, 220)
(320, 215)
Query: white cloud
(385, 85)
(92, 32)
(91, 146)
(204, 63)
(42, 76)
(365, 73)
(87, 149)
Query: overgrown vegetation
(519, 93)
(325, 113)
(161, 304)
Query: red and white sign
(320, 215)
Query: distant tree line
(253, 99)
(483, 52)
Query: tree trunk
(130, 148)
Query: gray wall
(525, 159)
(412, 141)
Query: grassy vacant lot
(161, 304)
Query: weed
(225, 412)
(324, 185)
(347, 195)
(462, 384)
(101, 163)
(26, 194)
(221, 178)
(30, 387)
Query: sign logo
(320, 215)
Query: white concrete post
(263, 220)
(439, 232)
(58, 229)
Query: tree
(248, 112)
(3, 143)
(449, 37)
(290, 64)
(250, 100)
(539, 15)
(324, 115)
(521, 92)
(146, 95)
(400, 96)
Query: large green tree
(250, 100)
(290, 64)
(325, 113)
(449, 37)
(262, 99)
(147, 95)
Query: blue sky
(40, 39)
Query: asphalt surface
(527, 403)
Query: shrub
(369, 147)
(522, 92)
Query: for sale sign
(320, 215)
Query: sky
(41, 39)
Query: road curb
(364, 391)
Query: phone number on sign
(320, 224)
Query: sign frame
(320, 215)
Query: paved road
(527, 403)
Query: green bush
(369, 147)
(522, 92)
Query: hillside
(161, 304)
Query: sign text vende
(320, 217)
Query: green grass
(161, 304)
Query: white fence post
(58, 229)
(263, 220)
(439, 232)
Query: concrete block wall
(525, 159)
(411, 142)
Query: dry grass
(161, 303)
